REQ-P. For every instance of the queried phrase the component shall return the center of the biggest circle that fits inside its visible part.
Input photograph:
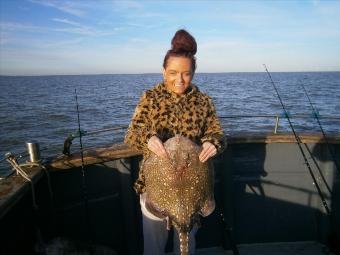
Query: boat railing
(276, 117)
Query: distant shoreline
(49, 75)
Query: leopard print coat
(163, 113)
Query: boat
(267, 200)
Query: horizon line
(90, 74)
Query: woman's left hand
(207, 152)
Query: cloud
(61, 44)
(12, 42)
(131, 36)
(67, 7)
(78, 28)
(88, 31)
(74, 59)
(16, 26)
(66, 21)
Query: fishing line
(298, 141)
(316, 115)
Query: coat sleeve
(213, 131)
(140, 128)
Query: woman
(174, 106)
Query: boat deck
(268, 198)
(287, 248)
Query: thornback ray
(180, 188)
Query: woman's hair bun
(184, 42)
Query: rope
(48, 181)
(14, 163)
(23, 154)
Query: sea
(44, 109)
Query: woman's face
(178, 74)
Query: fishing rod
(68, 141)
(228, 231)
(298, 141)
(316, 116)
(80, 136)
(85, 192)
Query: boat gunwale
(121, 150)
(14, 187)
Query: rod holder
(277, 119)
(33, 151)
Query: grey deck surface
(292, 248)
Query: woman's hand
(156, 146)
(207, 152)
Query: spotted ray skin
(181, 187)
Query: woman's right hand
(156, 146)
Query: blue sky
(93, 37)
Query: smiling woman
(173, 107)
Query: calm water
(43, 108)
